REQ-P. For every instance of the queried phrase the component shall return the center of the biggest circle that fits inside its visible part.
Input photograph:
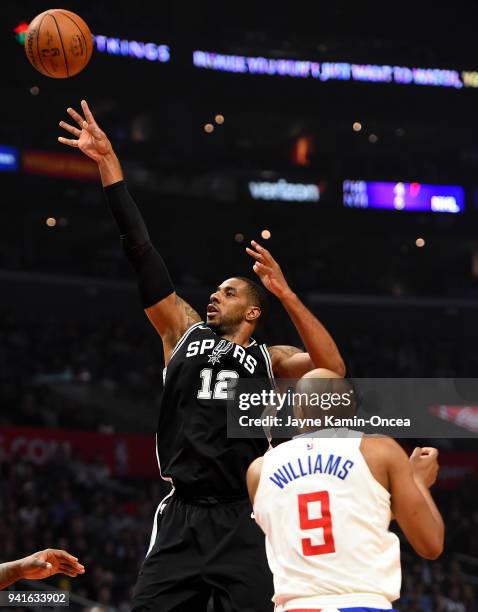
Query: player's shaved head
(323, 383)
(321, 380)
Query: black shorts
(201, 553)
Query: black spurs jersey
(192, 444)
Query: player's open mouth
(211, 309)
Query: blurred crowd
(449, 584)
(77, 507)
(38, 361)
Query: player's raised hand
(46, 563)
(268, 270)
(89, 138)
(425, 465)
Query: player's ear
(253, 313)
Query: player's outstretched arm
(288, 361)
(412, 504)
(169, 314)
(42, 564)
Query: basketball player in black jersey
(204, 543)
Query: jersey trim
(184, 337)
(340, 601)
(159, 510)
(268, 361)
(166, 478)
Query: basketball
(58, 43)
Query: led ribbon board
(132, 48)
(335, 71)
(403, 196)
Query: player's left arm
(42, 564)
(289, 361)
(253, 476)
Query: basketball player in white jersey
(325, 504)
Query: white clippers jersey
(326, 522)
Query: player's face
(228, 306)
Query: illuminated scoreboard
(403, 196)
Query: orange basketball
(58, 43)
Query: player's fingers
(64, 564)
(261, 268)
(92, 129)
(74, 115)
(68, 141)
(63, 555)
(262, 250)
(416, 453)
(429, 451)
(68, 572)
(88, 113)
(252, 253)
(70, 128)
(71, 567)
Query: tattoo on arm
(283, 351)
(191, 315)
(191, 318)
(280, 353)
(284, 366)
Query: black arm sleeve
(154, 281)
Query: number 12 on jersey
(220, 386)
(324, 522)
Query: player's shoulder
(378, 441)
(253, 476)
(256, 465)
(255, 344)
(382, 447)
(189, 335)
(200, 327)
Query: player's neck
(240, 336)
